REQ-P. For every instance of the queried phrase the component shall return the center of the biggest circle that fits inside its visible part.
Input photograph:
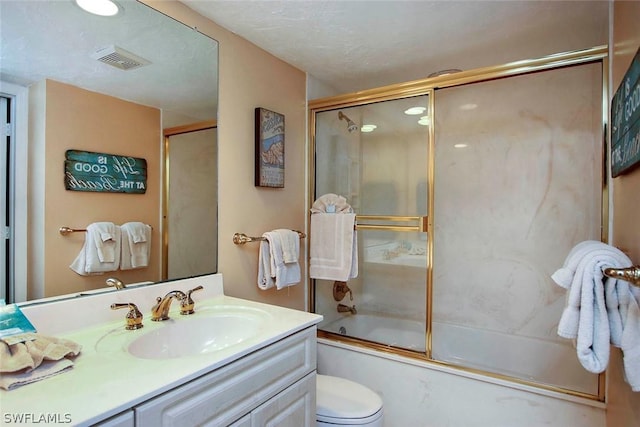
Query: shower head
(351, 126)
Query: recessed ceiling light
(414, 111)
(368, 128)
(99, 7)
(460, 145)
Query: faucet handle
(133, 317)
(187, 304)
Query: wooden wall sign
(104, 173)
(625, 118)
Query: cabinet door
(293, 407)
(124, 419)
(243, 422)
(222, 396)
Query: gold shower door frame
(428, 87)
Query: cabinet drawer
(224, 395)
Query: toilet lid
(339, 398)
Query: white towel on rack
(101, 250)
(272, 268)
(331, 203)
(630, 342)
(136, 245)
(333, 247)
(585, 316)
(290, 242)
(564, 275)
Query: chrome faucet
(160, 311)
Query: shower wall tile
(511, 204)
(413, 395)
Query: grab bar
(241, 238)
(422, 223)
(629, 274)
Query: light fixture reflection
(368, 128)
(99, 7)
(424, 121)
(414, 111)
(460, 145)
(467, 107)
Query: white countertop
(106, 379)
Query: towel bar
(68, 230)
(241, 238)
(630, 274)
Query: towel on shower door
(586, 316)
(101, 250)
(136, 245)
(333, 247)
(278, 264)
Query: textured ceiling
(355, 45)
(346, 45)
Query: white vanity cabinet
(273, 386)
(125, 419)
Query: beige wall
(250, 78)
(623, 409)
(72, 122)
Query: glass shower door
(376, 156)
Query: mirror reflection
(138, 84)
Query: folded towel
(47, 369)
(585, 315)
(331, 203)
(101, 250)
(333, 247)
(136, 245)
(564, 276)
(616, 298)
(290, 243)
(631, 345)
(630, 342)
(36, 358)
(272, 268)
(265, 279)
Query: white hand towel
(265, 280)
(616, 298)
(333, 247)
(585, 316)
(136, 245)
(331, 203)
(630, 342)
(101, 250)
(285, 273)
(272, 269)
(564, 276)
(290, 242)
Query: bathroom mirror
(140, 56)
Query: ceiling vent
(119, 58)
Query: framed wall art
(269, 162)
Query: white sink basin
(206, 331)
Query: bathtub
(531, 359)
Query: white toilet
(340, 402)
